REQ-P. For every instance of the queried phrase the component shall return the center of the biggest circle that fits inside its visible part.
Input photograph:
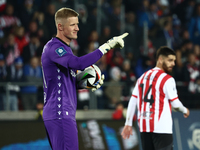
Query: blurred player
(59, 78)
(154, 94)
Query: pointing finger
(124, 35)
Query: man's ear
(160, 59)
(60, 27)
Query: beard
(166, 69)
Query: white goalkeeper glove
(115, 42)
(100, 83)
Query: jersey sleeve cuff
(184, 110)
(129, 123)
(101, 50)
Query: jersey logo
(73, 73)
(61, 51)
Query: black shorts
(156, 141)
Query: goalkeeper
(59, 79)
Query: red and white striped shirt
(153, 94)
(7, 21)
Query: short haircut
(164, 51)
(64, 13)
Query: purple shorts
(62, 134)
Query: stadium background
(26, 25)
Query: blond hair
(63, 14)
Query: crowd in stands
(26, 26)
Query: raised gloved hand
(99, 84)
(115, 42)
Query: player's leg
(70, 134)
(54, 130)
(48, 137)
(147, 142)
(163, 141)
(62, 134)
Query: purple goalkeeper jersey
(59, 78)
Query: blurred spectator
(192, 75)
(181, 59)
(143, 7)
(3, 70)
(189, 11)
(185, 35)
(181, 54)
(93, 14)
(153, 13)
(143, 64)
(144, 15)
(8, 19)
(20, 38)
(83, 24)
(34, 48)
(135, 36)
(131, 57)
(15, 71)
(3, 77)
(165, 35)
(32, 28)
(15, 74)
(90, 48)
(105, 36)
(42, 36)
(114, 58)
(118, 113)
(130, 26)
(197, 55)
(58, 4)
(94, 38)
(49, 20)
(2, 6)
(149, 52)
(83, 13)
(93, 42)
(42, 30)
(10, 50)
(164, 8)
(32, 73)
(128, 78)
(74, 46)
(194, 26)
(27, 12)
(114, 21)
(176, 31)
(114, 90)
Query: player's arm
(68, 60)
(171, 91)
(127, 130)
(91, 58)
(178, 106)
(63, 56)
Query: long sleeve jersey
(154, 94)
(59, 67)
